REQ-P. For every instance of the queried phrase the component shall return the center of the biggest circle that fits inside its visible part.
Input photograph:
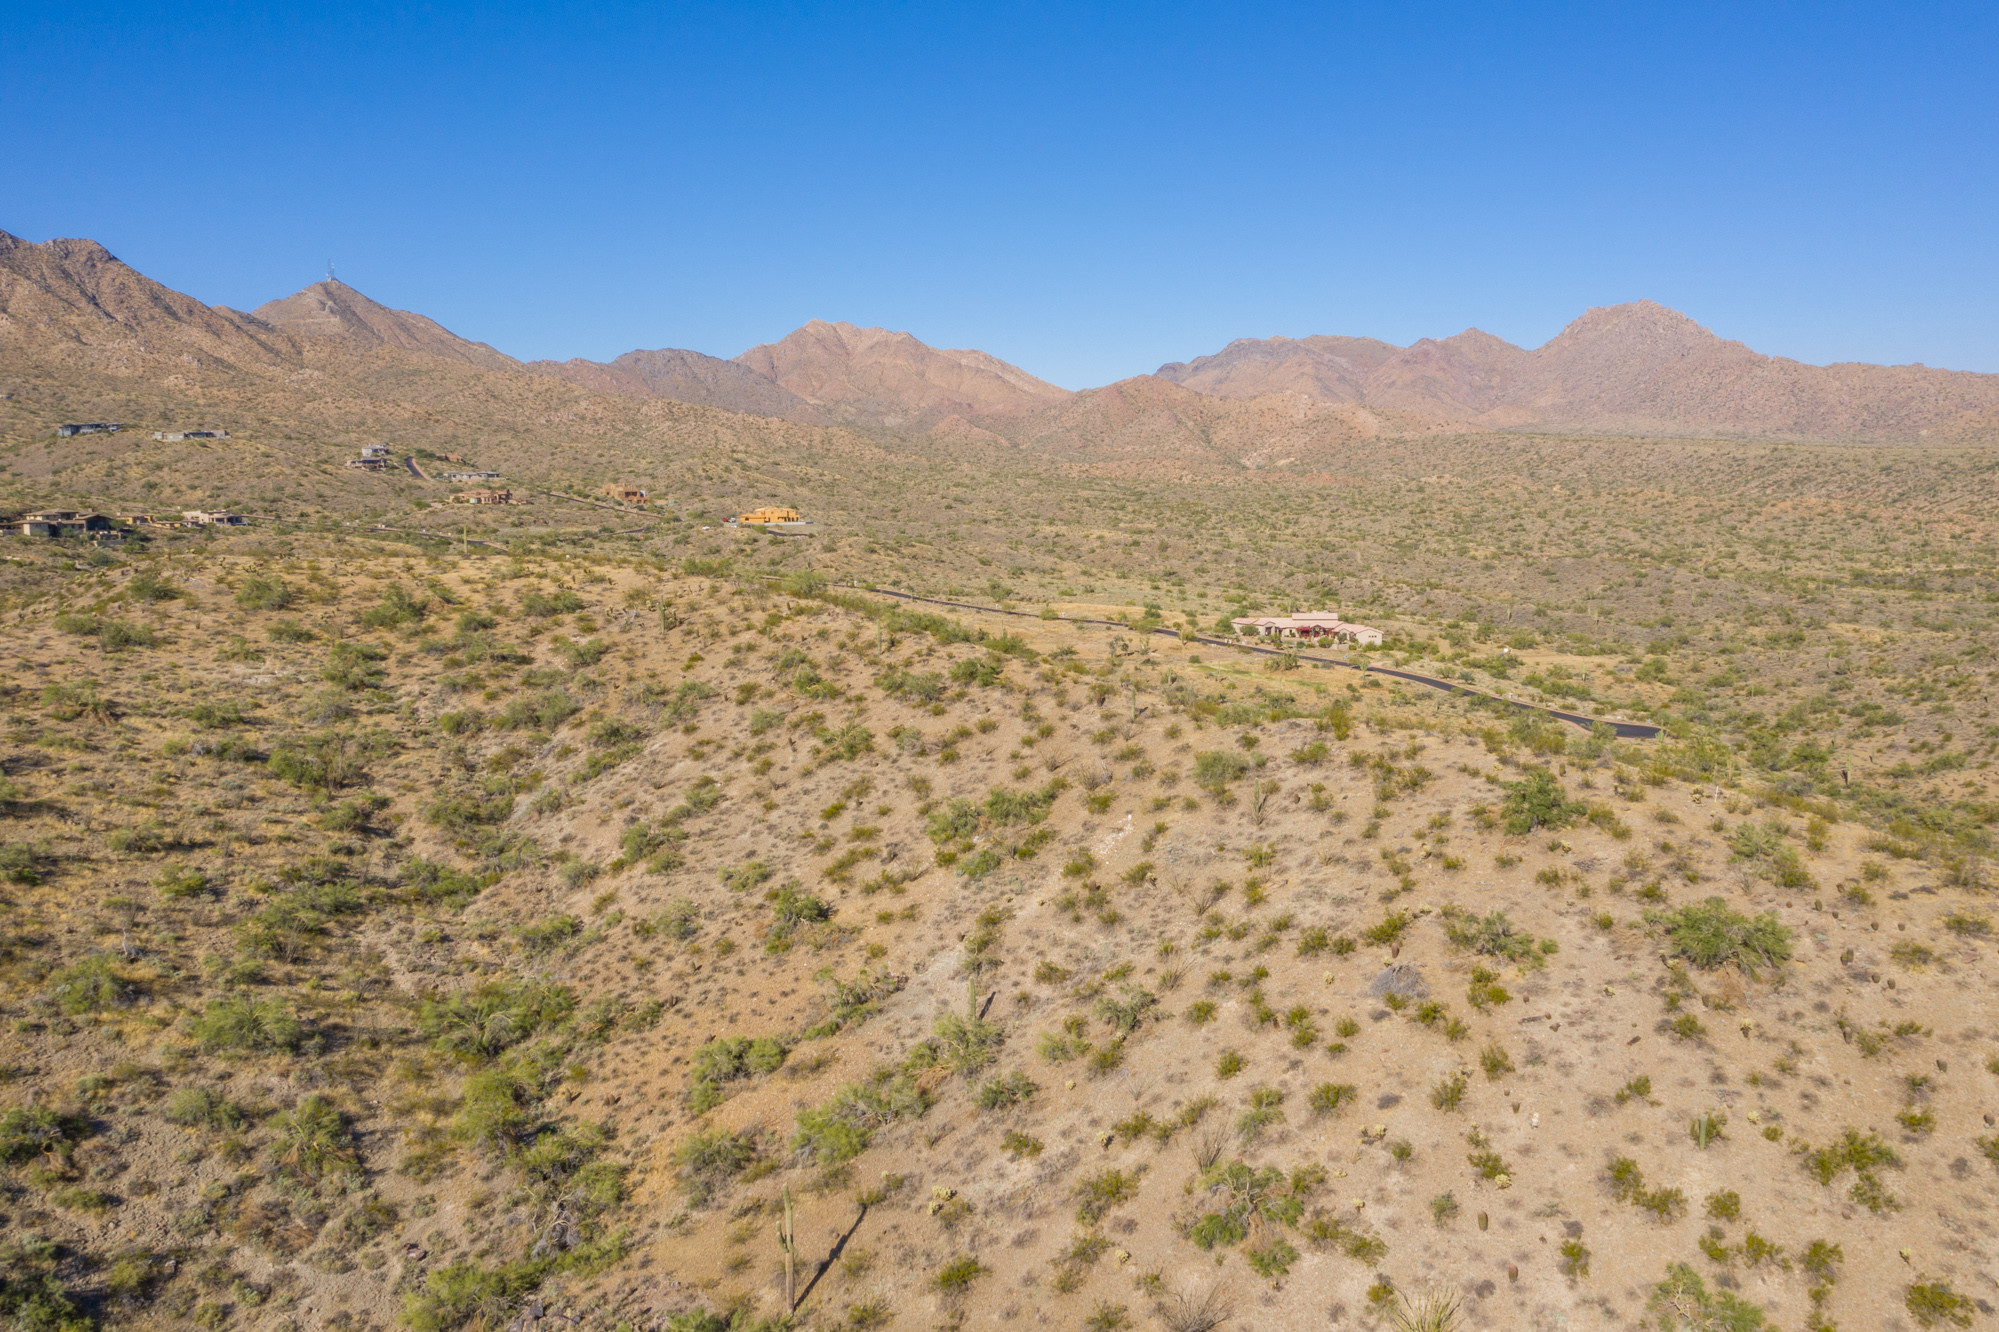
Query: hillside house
(374, 450)
(89, 428)
(175, 436)
(64, 522)
(1307, 627)
(483, 497)
(369, 464)
(631, 495)
(769, 514)
(471, 476)
(213, 518)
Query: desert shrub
(148, 585)
(1537, 801)
(840, 1128)
(1933, 1302)
(183, 881)
(495, 1109)
(354, 666)
(790, 909)
(485, 1021)
(88, 986)
(38, 1131)
(1238, 1196)
(581, 656)
(1683, 1301)
(326, 762)
(966, 1044)
(353, 813)
(957, 1276)
(543, 711)
(464, 1294)
(311, 1140)
(245, 1025)
(1864, 1154)
(1097, 1194)
(729, 1059)
(1389, 930)
(707, 1162)
(610, 733)
(545, 936)
(21, 863)
(112, 635)
(264, 594)
(117, 635)
(33, 1297)
(466, 810)
(1125, 1012)
(1003, 1093)
(1214, 769)
(1330, 1097)
(441, 884)
(1264, 1109)
(985, 671)
(679, 920)
(215, 714)
(920, 688)
(543, 605)
(198, 1107)
(1710, 934)
(1494, 935)
(290, 631)
(566, 1165)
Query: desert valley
(801, 840)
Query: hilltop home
(213, 518)
(89, 428)
(374, 450)
(631, 495)
(369, 464)
(1307, 626)
(471, 476)
(174, 436)
(483, 497)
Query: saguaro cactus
(787, 1239)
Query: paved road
(1624, 730)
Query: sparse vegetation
(395, 915)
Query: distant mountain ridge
(71, 306)
(1637, 368)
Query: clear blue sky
(1086, 190)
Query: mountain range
(69, 307)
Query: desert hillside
(579, 912)
(433, 937)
